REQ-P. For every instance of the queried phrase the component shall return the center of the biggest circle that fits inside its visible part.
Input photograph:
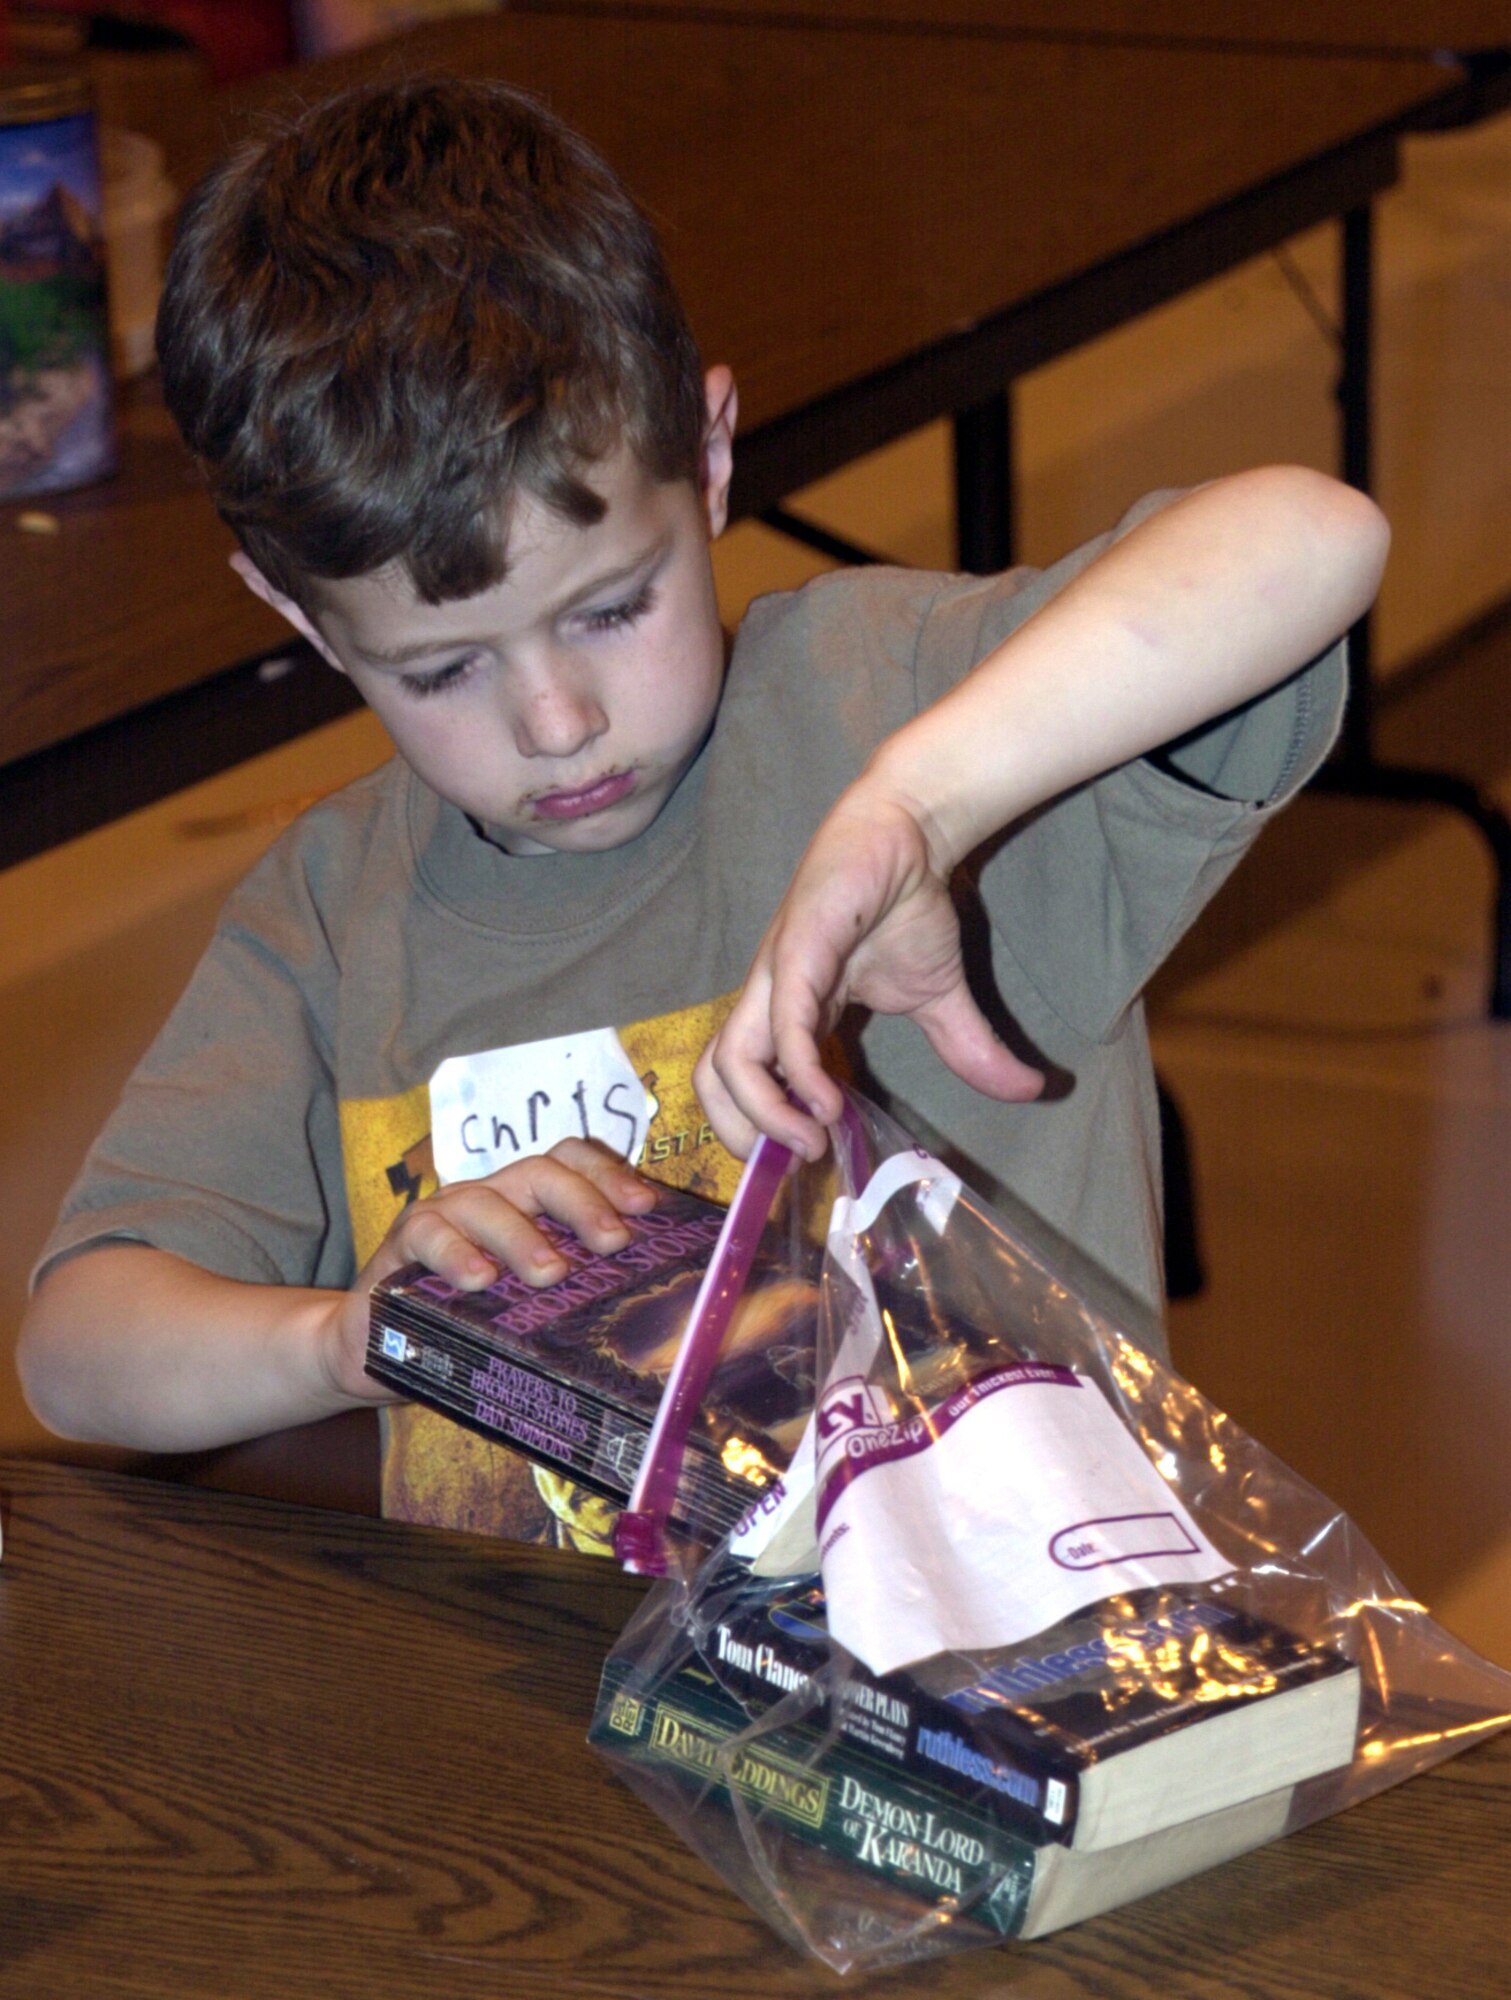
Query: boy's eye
(612, 616)
(439, 678)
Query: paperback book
(687, 1729)
(571, 1375)
(901, 1835)
(1142, 1712)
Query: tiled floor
(1350, 1106)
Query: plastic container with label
(55, 401)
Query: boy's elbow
(35, 1356)
(1328, 543)
(1360, 539)
(1372, 531)
(42, 1360)
(1357, 521)
(1343, 526)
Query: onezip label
(777, 1535)
(999, 1509)
(860, 1437)
(1016, 1501)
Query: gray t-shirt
(279, 1122)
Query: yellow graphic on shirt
(434, 1471)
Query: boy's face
(563, 706)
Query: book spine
(911, 1836)
(900, 1724)
(532, 1412)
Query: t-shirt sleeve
(225, 1146)
(1087, 896)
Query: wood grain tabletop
(251, 1751)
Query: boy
(426, 351)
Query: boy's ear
(286, 608)
(716, 467)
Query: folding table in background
(823, 196)
(1469, 40)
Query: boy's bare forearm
(1202, 607)
(128, 1345)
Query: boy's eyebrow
(400, 656)
(609, 579)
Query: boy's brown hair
(383, 319)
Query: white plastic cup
(139, 199)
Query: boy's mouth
(602, 793)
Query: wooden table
(865, 225)
(255, 1752)
(1406, 27)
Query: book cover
(904, 1837)
(572, 1374)
(1139, 1714)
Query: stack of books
(1141, 1742)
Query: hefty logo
(853, 1404)
(854, 1423)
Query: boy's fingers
(763, 1071)
(430, 1237)
(743, 1099)
(471, 1230)
(549, 1176)
(731, 1127)
(962, 1038)
(549, 1186)
(731, 1070)
(799, 1061)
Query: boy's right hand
(469, 1232)
(127, 1344)
(868, 918)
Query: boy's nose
(556, 719)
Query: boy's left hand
(868, 918)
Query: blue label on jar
(55, 414)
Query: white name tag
(506, 1104)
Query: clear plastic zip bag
(1028, 1629)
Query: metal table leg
(984, 485)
